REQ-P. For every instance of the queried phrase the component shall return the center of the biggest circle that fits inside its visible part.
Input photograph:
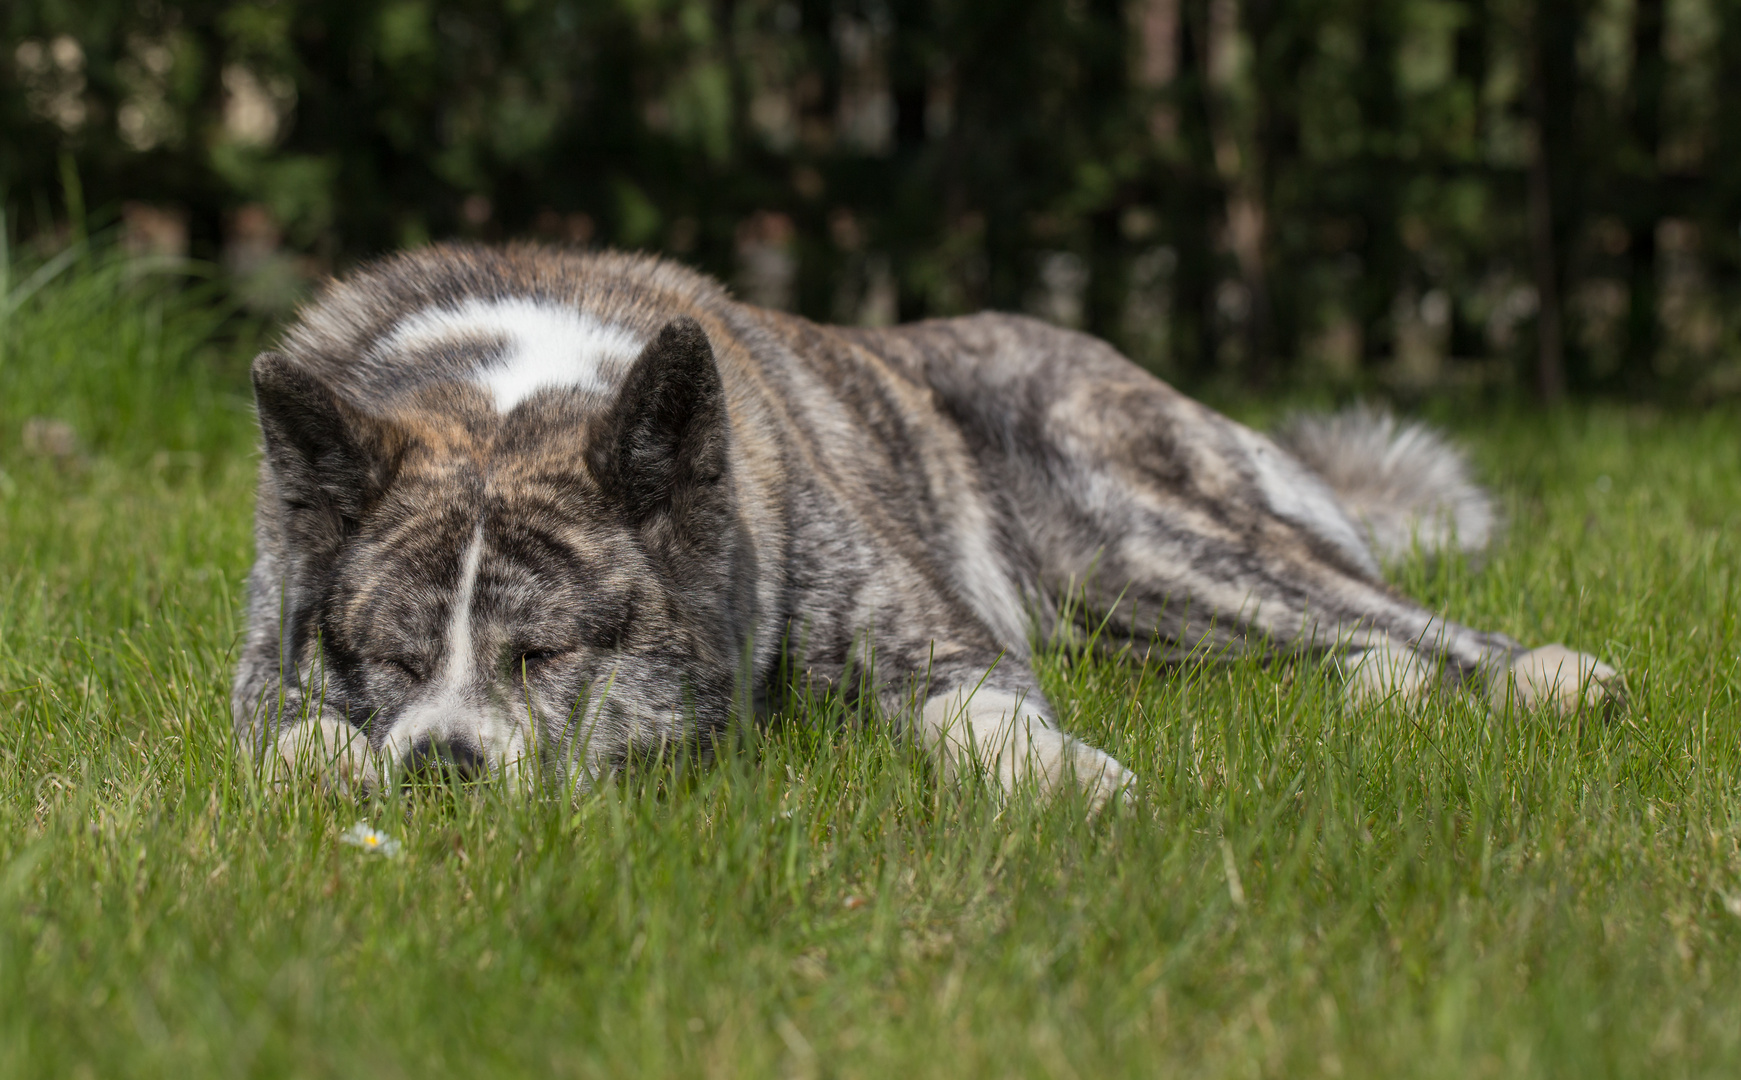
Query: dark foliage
(1540, 193)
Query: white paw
(1104, 780)
(1384, 672)
(1059, 761)
(1019, 748)
(1555, 676)
(332, 753)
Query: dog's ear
(664, 442)
(330, 461)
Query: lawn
(1304, 888)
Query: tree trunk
(1194, 197)
(1725, 186)
(1552, 182)
(1642, 328)
(1377, 202)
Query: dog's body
(533, 509)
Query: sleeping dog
(528, 511)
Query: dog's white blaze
(445, 711)
(546, 345)
(459, 622)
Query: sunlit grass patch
(1302, 887)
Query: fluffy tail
(1404, 483)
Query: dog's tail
(1404, 483)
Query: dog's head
(547, 588)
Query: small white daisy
(360, 835)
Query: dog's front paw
(1099, 776)
(1385, 672)
(1019, 748)
(328, 752)
(1055, 762)
(1557, 677)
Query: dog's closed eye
(409, 666)
(531, 659)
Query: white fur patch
(1385, 671)
(459, 620)
(330, 750)
(1016, 744)
(546, 345)
(1555, 677)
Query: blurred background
(1516, 197)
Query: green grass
(1305, 888)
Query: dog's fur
(536, 511)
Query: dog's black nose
(444, 759)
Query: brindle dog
(534, 512)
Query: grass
(1305, 888)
